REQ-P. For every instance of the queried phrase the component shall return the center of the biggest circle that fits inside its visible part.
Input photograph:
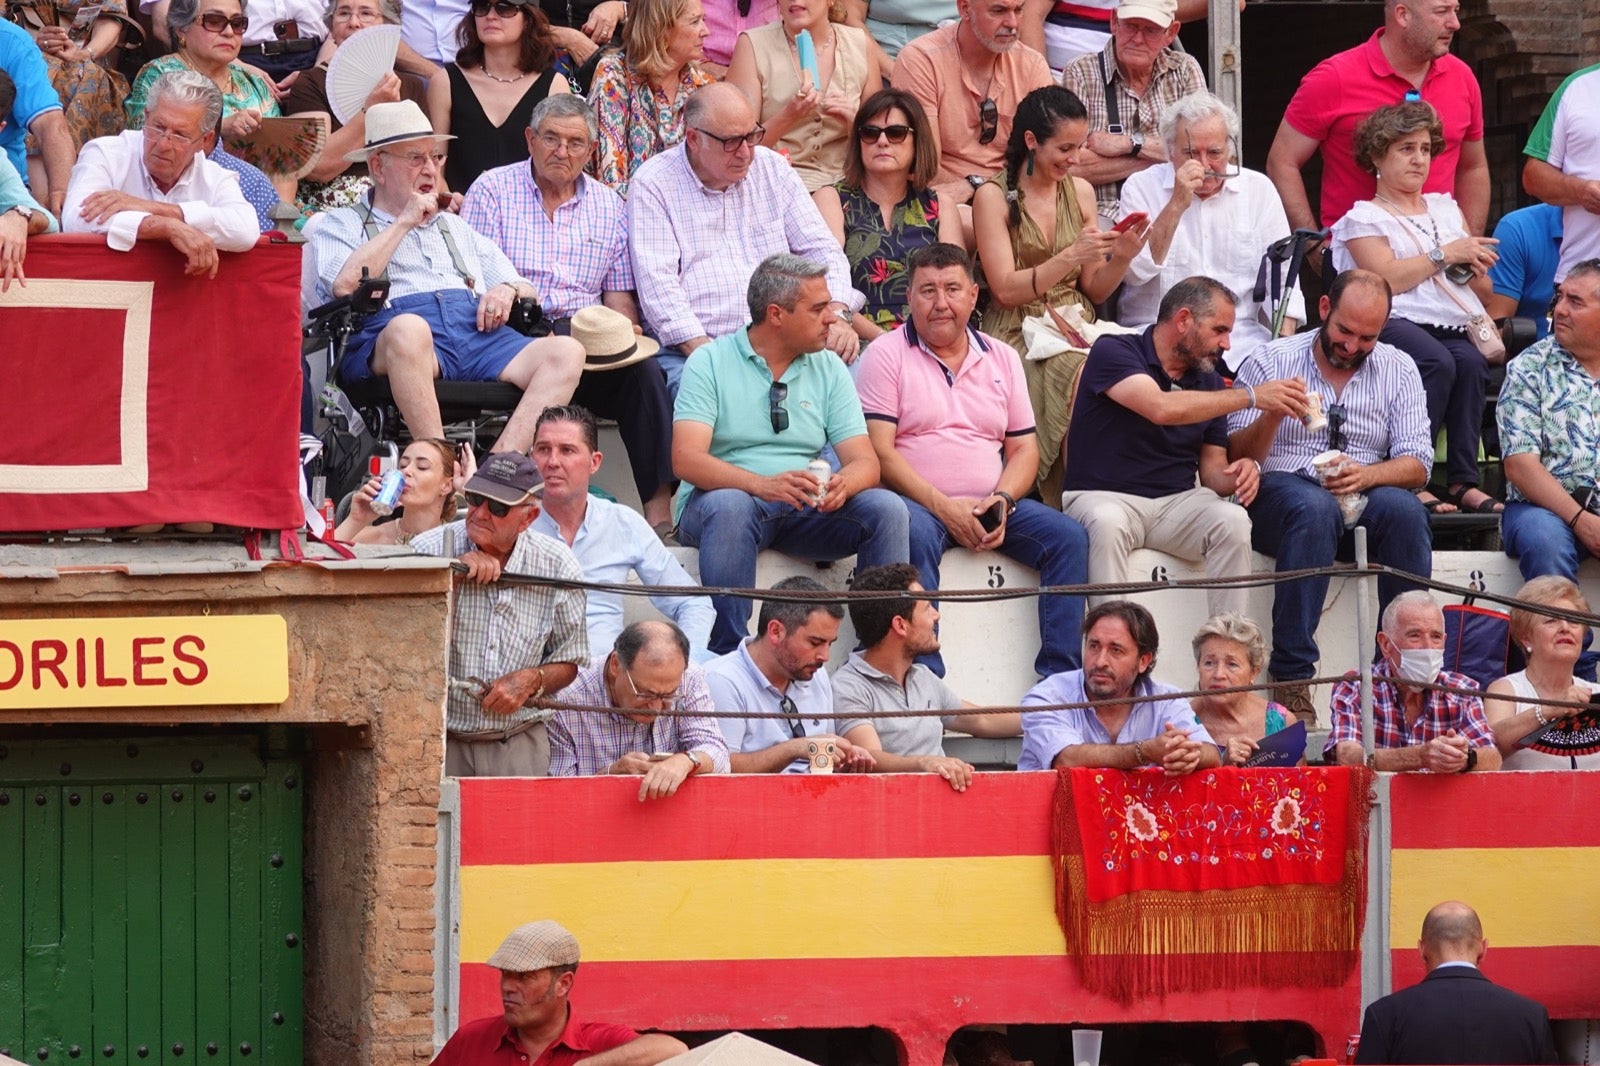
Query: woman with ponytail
(1039, 245)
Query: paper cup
(1315, 420)
(821, 754)
(1326, 464)
(1086, 1047)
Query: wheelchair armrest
(1517, 333)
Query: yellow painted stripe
(1527, 897)
(772, 908)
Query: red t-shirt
(1350, 85)
(490, 1040)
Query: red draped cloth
(1220, 879)
(133, 394)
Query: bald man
(1456, 1014)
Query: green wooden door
(149, 903)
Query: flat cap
(536, 946)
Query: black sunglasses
(896, 134)
(797, 728)
(780, 415)
(1336, 416)
(216, 22)
(496, 508)
(731, 144)
(988, 120)
(504, 8)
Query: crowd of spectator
(1005, 302)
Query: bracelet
(1249, 391)
(1573, 523)
(540, 690)
(1138, 753)
(1538, 715)
(1033, 281)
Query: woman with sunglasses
(207, 35)
(884, 209)
(809, 122)
(433, 477)
(506, 64)
(639, 93)
(1439, 272)
(1040, 246)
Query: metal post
(1222, 39)
(1364, 642)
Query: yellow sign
(143, 662)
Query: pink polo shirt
(1348, 86)
(950, 429)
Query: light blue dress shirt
(614, 541)
(1045, 733)
(737, 684)
(14, 191)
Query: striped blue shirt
(1386, 411)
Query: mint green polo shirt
(727, 386)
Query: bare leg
(404, 354)
(547, 371)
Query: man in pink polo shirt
(1409, 58)
(948, 415)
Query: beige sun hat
(392, 123)
(608, 339)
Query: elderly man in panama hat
(451, 290)
(568, 233)
(538, 963)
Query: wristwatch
(1011, 502)
(1436, 257)
(1138, 145)
(846, 315)
(24, 210)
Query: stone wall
(366, 666)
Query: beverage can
(822, 472)
(388, 498)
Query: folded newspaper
(1064, 329)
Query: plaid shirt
(584, 743)
(1441, 712)
(1550, 406)
(571, 258)
(1175, 75)
(497, 629)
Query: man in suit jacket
(1456, 1014)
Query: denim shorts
(463, 353)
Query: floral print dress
(878, 254)
(636, 119)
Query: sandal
(1433, 505)
(1487, 505)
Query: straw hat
(608, 339)
(392, 123)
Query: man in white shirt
(1210, 216)
(701, 218)
(156, 184)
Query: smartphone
(990, 519)
(1135, 219)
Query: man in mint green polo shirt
(754, 407)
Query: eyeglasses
(779, 413)
(896, 134)
(343, 13)
(216, 22)
(731, 144)
(797, 728)
(574, 145)
(496, 508)
(157, 134)
(414, 160)
(1336, 417)
(1218, 160)
(649, 697)
(503, 8)
(988, 120)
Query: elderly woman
(206, 34)
(884, 209)
(81, 60)
(1439, 272)
(335, 181)
(433, 475)
(1041, 246)
(639, 93)
(1552, 646)
(1228, 653)
(808, 123)
(506, 64)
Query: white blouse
(1411, 235)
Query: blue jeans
(731, 527)
(1298, 522)
(1542, 544)
(671, 361)
(1036, 536)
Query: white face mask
(1421, 664)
